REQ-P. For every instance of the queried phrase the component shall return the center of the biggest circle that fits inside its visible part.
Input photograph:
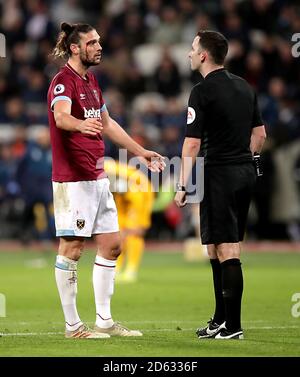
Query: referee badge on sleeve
(191, 115)
(80, 223)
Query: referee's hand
(180, 199)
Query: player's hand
(154, 161)
(180, 199)
(90, 126)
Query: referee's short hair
(215, 43)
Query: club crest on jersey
(96, 94)
(80, 223)
(191, 115)
(92, 113)
(59, 88)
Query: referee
(225, 125)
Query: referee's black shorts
(224, 209)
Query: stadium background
(145, 76)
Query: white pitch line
(145, 330)
(179, 321)
(30, 333)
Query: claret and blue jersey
(76, 156)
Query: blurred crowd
(145, 77)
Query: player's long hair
(69, 34)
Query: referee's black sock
(232, 284)
(219, 315)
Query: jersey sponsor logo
(92, 113)
(191, 115)
(59, 88)
(82, 96)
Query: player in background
(83, 204)
(133, 194)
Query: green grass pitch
(171, 299)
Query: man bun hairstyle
(215, 43)
(67, 28)
(69, 33)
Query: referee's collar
(216, 71)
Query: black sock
(232, 284)
(219, 315)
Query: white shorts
(84, 208)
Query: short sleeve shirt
(222, 110)
(75, 156)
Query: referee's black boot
(229, 334)
(211, 330)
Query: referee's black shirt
(222, 112)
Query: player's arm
(65, 121)
(115, 133)
(190, 150)
(258, 134)
(192, 142)
(258, 137)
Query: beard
(86, 62)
